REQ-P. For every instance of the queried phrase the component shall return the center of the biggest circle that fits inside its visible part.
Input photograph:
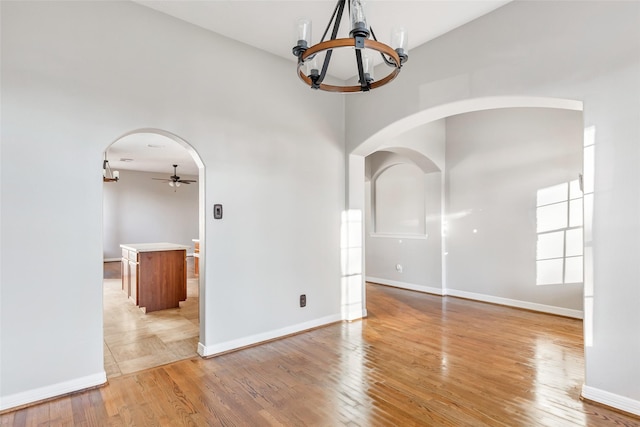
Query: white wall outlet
(399, 268)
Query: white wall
(587, 51)
(138, 209)
(418, 254)
(497, 160)
(78, 75)
(399, 202)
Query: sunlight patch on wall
(559, 217)
(588, 187)
(352, 261)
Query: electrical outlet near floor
(303, 300)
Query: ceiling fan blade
(174, 178)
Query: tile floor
(135, 341)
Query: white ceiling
(150, 152)
(270, 25)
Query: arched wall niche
(378, 161)
(398, 201)
(399, 178)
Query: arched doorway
(391, 136)
(145, 205)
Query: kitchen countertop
(153, 247)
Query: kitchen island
(154, 275)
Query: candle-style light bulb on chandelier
(313, 74)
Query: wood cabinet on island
(154, 275)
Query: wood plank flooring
(417, 360)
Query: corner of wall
(610, 399)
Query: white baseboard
(212, 350)
(352, 312)
(610, 399)
(405, 285)
(560, 311)
(55, 390)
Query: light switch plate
(217, 211)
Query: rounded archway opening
(428, 126)
(151, 202)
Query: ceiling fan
(174, 180)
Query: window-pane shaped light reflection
(575, 213)
(589, 136)
(573, 270)
(549, 272)
(551, 245)
(559, 217)
(588, 169)
(574, 190)
(573, 242)
(552, 217)
(352, 261)
(555, 194)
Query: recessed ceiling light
(155, 145)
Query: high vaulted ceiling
(270, 25)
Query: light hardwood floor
(416, 360)
(134, 341)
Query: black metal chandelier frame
(359, 39)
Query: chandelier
(313, 75)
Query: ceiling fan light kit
(313, 74)
(174, 180)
